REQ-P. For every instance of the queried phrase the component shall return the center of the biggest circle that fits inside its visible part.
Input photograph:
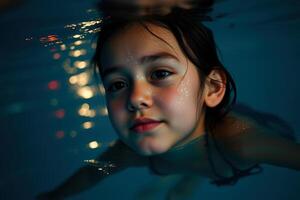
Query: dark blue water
(44, 135)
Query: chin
(150, 148)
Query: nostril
(140, 96)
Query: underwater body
(53, 119)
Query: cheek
(115, 105)
(116, 110)
(179, 105)
(182, 97)
(178, 101)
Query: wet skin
(146, 78)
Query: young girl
(170, 101)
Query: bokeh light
(81, 79)
(81, 64)
(87, 125)
(85, 92)
(59, 134)
(94, 145)
(60, 113)
(53, 85)
(85, 111)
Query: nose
(140, 97)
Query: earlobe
(215, 88)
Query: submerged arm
(264, 148)
(251, 142)
(115, 159)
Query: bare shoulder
(250, 142)
(232, 133)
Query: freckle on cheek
(184, 89)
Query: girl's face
(152, 90)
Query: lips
(142, 125)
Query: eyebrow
(157, 56)
(143, 60)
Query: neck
(189, 150)
(197, 132)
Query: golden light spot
(76, 36)
(81, 64)
(77, 53)
(87, 125)
(73, 79)
(85, 111)
(92, 113)
(68, 68)
(94, 145)
(85, 106)
(85, 92)
(63, 47)
(78, 42)
(81, 79)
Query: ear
(215, 87)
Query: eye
(160, 74)
(116, 86)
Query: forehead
(137, 41)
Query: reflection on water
(73, 53)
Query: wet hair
(196, 42)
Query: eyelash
(115, 84)
(114, 87)
(161, 71)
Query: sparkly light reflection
(81, 64)
(49, 38)
(77, 53)
(63, 47)
(87, 125)
(94, 145)
(68, 68)
(85, 111)
(85, 92)
(78, 42)
(81, 79)
(76, 36)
